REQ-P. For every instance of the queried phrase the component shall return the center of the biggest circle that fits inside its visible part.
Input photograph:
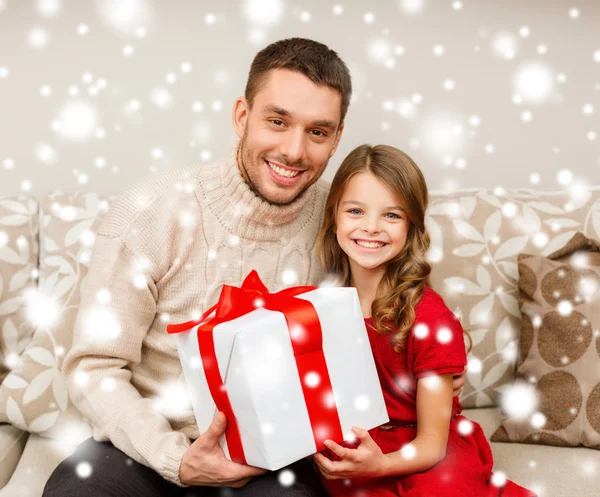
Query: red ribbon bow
(307, 340)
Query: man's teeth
(369, 244)
(283, 172)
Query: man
(162, 254)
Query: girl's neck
(366, 282)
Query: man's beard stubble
(244, 156)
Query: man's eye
(277, 122)
(318, 132)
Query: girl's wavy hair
(403, 284)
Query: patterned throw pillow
(18, 273)
(34, 396)
(560, 346)
(475, 238)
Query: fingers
(458, 382)
(244, 471)
(328, 468)
(216, 429)
(239, 483)
(362, 434)
(324, 464)
(338, 450)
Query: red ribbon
(307, 342)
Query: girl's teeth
(369, 244)
(283, 172)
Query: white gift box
(256, 361)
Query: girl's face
(371, 225)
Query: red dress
(435, 345)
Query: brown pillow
(476, 236)
(560, 345)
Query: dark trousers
(114, 474)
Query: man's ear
(240, 115)
(338, 136)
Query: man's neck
(240, 165)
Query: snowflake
(286, 477)
(504, 45)
(444, 335)
(564, 308)
(519, 401)
(465, 427)
(101, 324)
(498, 479)
(362, 403)
(83, 469)
(312, 379)
(411, 7)
(77, 120)
(409, 451)
(538, 420)
(533, 82)
(474, 365)
(421, 331)
(108, 385)
(173, 400)
(264, 12)
(267, 428)
(42, 310)
(38, 38)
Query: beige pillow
(476, 237)
(34, 396)
(560, 345)
(18, 273)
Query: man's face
(288, 135)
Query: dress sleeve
(436, 343)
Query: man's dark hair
(315, 60)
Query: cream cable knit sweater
(163, 252)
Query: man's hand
(458, 382)
(205, 464)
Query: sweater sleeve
(117, 309)
(436, 342)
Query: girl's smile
(371, 224)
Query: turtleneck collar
(243, 212)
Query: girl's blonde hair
(403, 284)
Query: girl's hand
(366, 461)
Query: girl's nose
(371, 226)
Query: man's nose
(294, 147)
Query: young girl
(373, 237)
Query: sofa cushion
(560, 346)
(476, 236)
(40, 458)
(12, 442)
(18, 274)
(34, 396)
(548, 471)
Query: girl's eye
(395, 216)
(354, 211)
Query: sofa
(45, 249)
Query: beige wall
(53, 141)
